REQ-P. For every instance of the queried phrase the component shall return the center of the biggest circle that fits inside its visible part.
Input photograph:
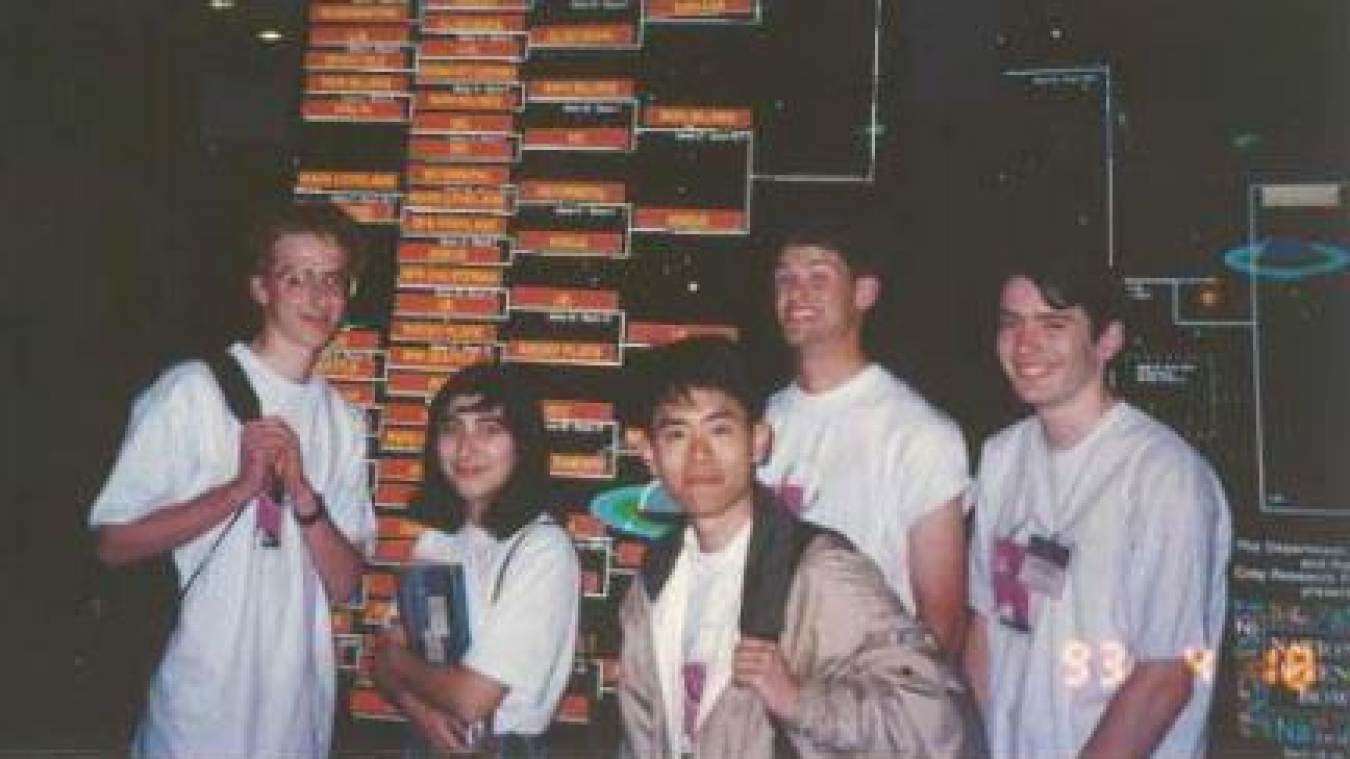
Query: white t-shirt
(1149, 535)
(249, 670)
(526, 638)
(697, 617)
(868, 458)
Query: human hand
(759, 665)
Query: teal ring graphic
(1287, 259)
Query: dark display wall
(563, 184)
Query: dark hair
(1068, 281)
(857, 241)
(523, 498)
(320, 218)
(704, 362)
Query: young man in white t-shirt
(749, 633)
(1101, 545)
(271, 512)
(855, 448)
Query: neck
(474, 511)
(1069, 422)
(823, 368)
(714, 533)
(292, 362)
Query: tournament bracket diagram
(560, 184)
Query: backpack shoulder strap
(511, 554)
(234, 385)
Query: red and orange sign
(578, 193)
(463, 254)
(462, 148)
(454, 22)
(490, 199)
(530, 297)
(583, 35)
(558, 352)
(463, 122)
(581, 89)
(509, 48)
(355, 108)
(414, 331)
(566, 242)
(697, 117)
(579, 138)
(691, 220)
(468, 304)
(418, 223)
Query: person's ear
(761, 440)
(1110, 342)
(257, 289)
(866, 291)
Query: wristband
(320, 512)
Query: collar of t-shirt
(843, 393)
(275, 391)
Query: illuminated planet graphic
(646, 511)
(1287, 259)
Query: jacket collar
(777, 539)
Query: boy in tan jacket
(750, 633)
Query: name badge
(1043, 567)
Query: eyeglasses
(294, 282)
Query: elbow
(111, 551)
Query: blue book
(433, 604)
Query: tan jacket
(873, 681)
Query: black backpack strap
(244, 404)
(234, 385)
(511, 554)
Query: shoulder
(187, 383)
(906, 406)
(1008, 439)
(547, 542)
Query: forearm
(1141, 711)
(937, 571)
(168, 527)
(975, 658)
(337, 561)
(452, 689)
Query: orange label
(582, 465)
(356, 393)
(347, 180)
(401, 439)
(454, 224)
(435, 358)
(404, 414)
(433, 71)
(578, 411)
(394, 494)
(628, 553)
(408, 331)
(563, 299)
(579, 138)
(443, 174)
(581, 89)
(458, 121)
(354, 109)
(552, 352)
(574, 708)
(381, 584)
(583, 35)
(355, 338)
(461, 199)
(549, 191)
(449, 276)
(582, 526)
(653, 334)
(370, 211)
(577, 243)
(697, 117)
(385, 83)
(443, 22)
(485, 148)
(345, 61)
(512, 48)
(398, 469)
(399, 528)
(347, 34)
(673, 9)
(493, 99)
(389, 551)
(348, 366)
(467, 304)
(692, 220)
(472, 255)
(376, 13)
(476, 4)
(413, 384)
